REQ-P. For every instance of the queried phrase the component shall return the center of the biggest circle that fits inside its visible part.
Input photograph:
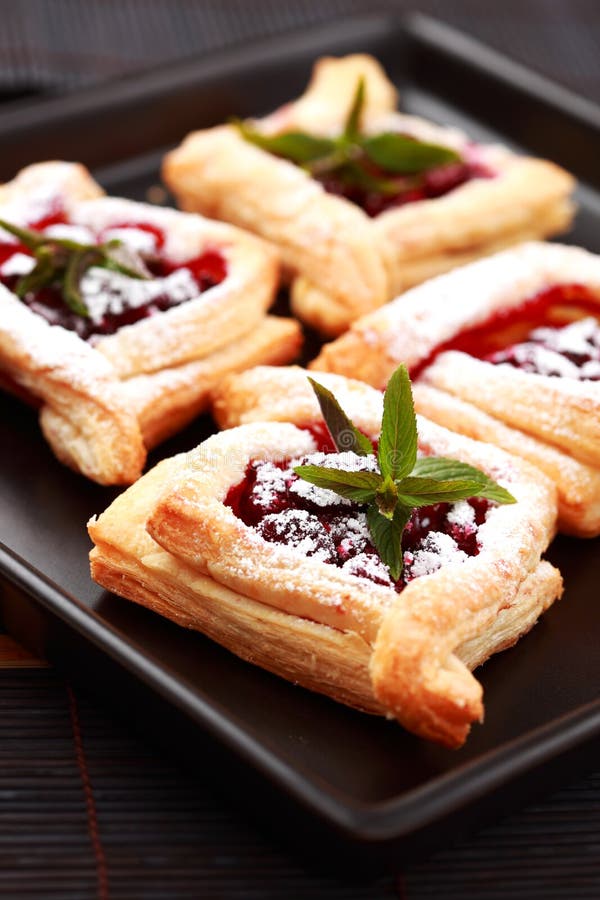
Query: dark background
(159, 833)
(58, 44)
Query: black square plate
(358, 780)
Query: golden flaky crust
(165, 401)
(553, 422)
(315, 612)
(346, 263)
(83, 414)
(104, 402)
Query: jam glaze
(113, 299)
(434, 182)
(318, 523)
(554, 332)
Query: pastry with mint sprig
(505, 350)
(376, 565)
(117, 318)
(361, 200)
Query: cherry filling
(572, 351)
(554, 332)
(433, 183)
(112, 298)
(285, 509)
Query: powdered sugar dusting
(437, 550)
(348, 461)
(572, 351)
(78, 233)
(299, 530)
(369, 566)
(271, 480)
(461, 513)
(16, 265)
(319, 524)
(137, 239)
(106, 292)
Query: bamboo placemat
(89, 810)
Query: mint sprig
(355, 158)
(62, 263)
(402, 482)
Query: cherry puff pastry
(223, 540)
(508, 351)
(346, 259)
(139, 359)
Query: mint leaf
(397, 451)
(353, 121)
(293, 145)
(417, 492)
(387, 497)
(77, 265)
(403, 482)
(443, 469)
(358, 486)
(29, 238)
(368, 163)
(62, 263)
(387, 536)
(343, 432)
(119, 257)
(405, 155)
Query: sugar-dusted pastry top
(352, 241)
(196, 272)
(230, 512)
(417, 323)
(97, 291)
(320, 524)
(504, 350)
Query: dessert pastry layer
(351, 232)
(505, 350)
(108, 305)
(180, 542)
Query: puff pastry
(344, 263)
(104, 400)
(174, 543)
(550, 420)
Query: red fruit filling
(285, 509)
(572, 351)
(434, 183)
(555, 332)
(112, 299)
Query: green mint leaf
(443, 469)
(343, 432)
(387, 536)
(337, 162)
(29, 238)
(403, 155)
(353, 120)
(43, 274)
(403, 482)
(387, 497)
(62, 262)
(415, 491)
(358, 486)
(293, 145)
(118, 257)
(397, 450)
(78, 264)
